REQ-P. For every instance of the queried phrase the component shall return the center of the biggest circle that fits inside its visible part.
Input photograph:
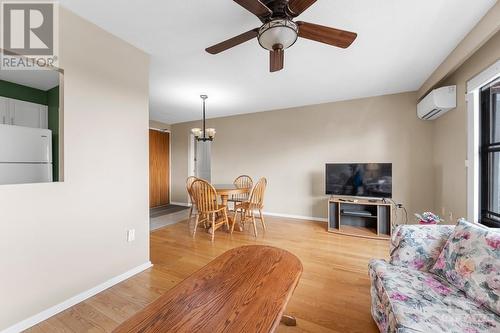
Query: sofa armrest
(418, 246)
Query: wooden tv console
(360, 217)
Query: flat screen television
(373, 180)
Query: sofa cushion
(418, 246)
(470, 261)
(407, 300)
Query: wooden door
(159, 168)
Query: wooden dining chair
(255, 202)
(209, 211)
(243, 181)
(189, 182)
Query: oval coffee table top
(245, 289)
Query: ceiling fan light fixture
(278, 32)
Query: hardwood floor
(332, 296)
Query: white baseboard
(298, 217)
(289, 216)
(185, 204)
(46, 314)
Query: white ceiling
(43, 80)
(400, 43)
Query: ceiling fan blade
(256, 7)
(297, 7)
(331, 36)
(277, 59)
(232, 42)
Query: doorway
(203, 160)
(200, 159)
(159, 168)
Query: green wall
(53, 103)
(23, 93)
(49, 98)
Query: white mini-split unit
(437, 102)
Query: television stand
(367, 218)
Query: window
(490, 155)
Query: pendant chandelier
(205, 134)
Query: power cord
(397, 207)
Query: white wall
(58, 240)
(290, 147)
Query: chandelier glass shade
(197, 132)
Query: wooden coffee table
(244, 290)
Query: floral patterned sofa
(439, 279)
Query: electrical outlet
(130, 235)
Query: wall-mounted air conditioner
(437, 102)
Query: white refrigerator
(25, 155)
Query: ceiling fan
(278, 31)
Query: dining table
(226, 190)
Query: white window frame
(474, 86)
(191, 155)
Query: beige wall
(61, 239)
(450, 133)
(158, 125)
(290, 148)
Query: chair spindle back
(243, 181)
(189, 182)
(257, 196)
(205, 196)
